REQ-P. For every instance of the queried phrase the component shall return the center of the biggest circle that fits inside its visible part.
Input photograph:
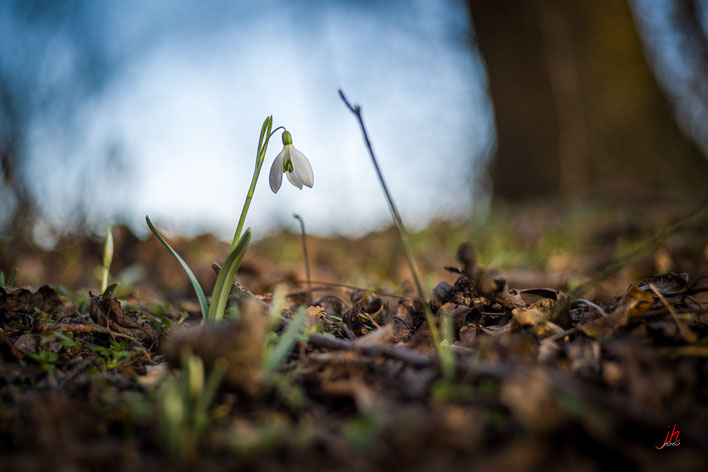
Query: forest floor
(573, 337)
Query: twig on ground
(304, 252)
(78, 328)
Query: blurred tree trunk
(578, 111)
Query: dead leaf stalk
(304, 252)
(356, 110)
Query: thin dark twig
(304, 251)
(348, 332)
(393, 352)
(356, 110)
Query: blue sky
(190, 83)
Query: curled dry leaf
(108, 313)
(457, 313)
(404, 320)
(667, 284)
(315, 315)
(637, 301)
(545, 328)
(383, 335)
(441, 292)
(530, 316)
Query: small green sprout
(107, 259)
(289, 157)
(46, 360)
(278, 350)
(10, 280)
(185, 403)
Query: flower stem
(247, 203)
(260, 158)
(434, 333)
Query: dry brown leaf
(544, 305)
(636, 301)
(468, 335)
(545, 328)
(457, 313)
(383, 335)
(108, 313)
(529, 316)
(599, 327)
(315, 316)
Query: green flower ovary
(288, 165)
(287, 139)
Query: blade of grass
(195, 284)
(285, 343)
(216, 375)
(11, 279)
(276, 306)
(13, 276)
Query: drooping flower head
(294, 164)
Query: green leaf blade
(197, 288)
(286, 342)
(224, 280)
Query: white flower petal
(294, 179)
(276, 172)
(302, 167)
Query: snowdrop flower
(294, 164)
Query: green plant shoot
(10, 280)
(276, 354)
(107, 259)
(239, 245)
(185, 401)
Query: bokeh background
(113, 110)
